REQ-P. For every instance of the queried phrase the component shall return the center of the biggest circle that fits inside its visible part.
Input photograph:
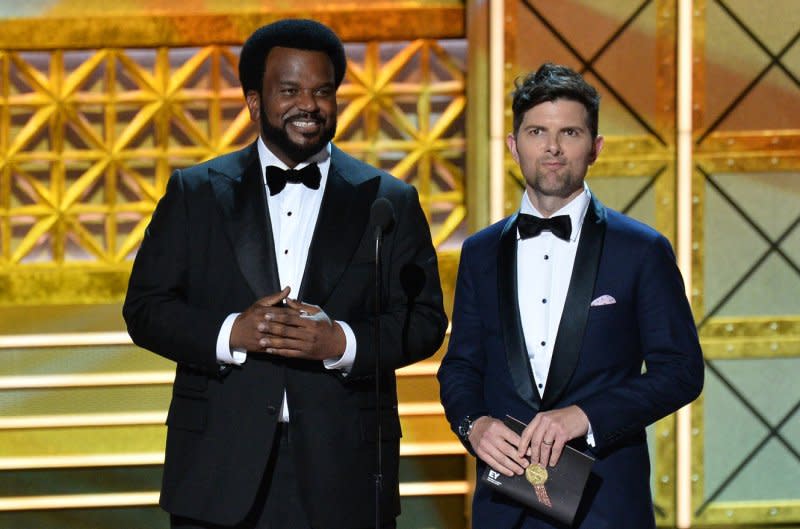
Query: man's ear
(511, 143)
(596, 148)
(253, 100)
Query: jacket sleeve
(673, 374)
(412, 322)
(157, 311)
(461, 374)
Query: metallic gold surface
(134, 499)
(754, 337)
(90, 129)
(383, 20)
(536, 475)
(88, 139)
(730, 150)
(630, 156)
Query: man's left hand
(301, 330)
(544, 438)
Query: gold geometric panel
(88, 140)
(94, 136)
(404, 112)
(613, 44)
(752, 60)
(746, 266)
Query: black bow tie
(531, 226)
(277, 178)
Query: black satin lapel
(343, 217)
(569, 339)
(247, 223)
(510, 322)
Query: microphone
(381, 217)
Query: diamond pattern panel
(746, 268)
(635, 173)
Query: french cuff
(590, 437)
(345, 362)
(226, 355)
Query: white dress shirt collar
(576, 209)
(322, 159)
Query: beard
(562, 188)
(297, 153)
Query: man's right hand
(496, 444)
(250, 326)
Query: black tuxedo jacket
(597, 358)
(208, 252)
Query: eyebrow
(296, 83)
(572, 127)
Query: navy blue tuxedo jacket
(208, 252)
(597, 359)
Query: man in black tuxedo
(557, 307)
(256, 276)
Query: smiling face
(554, 148)
(296, 110)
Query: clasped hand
(541, 442)
(286, 327)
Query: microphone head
(382, 214)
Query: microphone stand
(376, 345)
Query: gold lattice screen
(88, 140)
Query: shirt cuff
(345, 362)
(590, 437)
(226, 355)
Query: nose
(553, 146)
(307, 101)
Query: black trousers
(277, 504)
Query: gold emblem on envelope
(537, 476)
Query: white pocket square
(605, 299)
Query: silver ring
(548, 444)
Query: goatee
(297, 153)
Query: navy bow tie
(531, 226)
(277, 178)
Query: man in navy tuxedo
(557, 309)
(256, 276)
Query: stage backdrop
(99, 101)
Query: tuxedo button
(272, 410)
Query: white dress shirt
(544, 269)
(293, 214)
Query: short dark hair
(299, 34)
(549, 83)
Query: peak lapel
(243, 201)
(343, 218)
(513, 338)
(576, 307)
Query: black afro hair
(301, 34)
